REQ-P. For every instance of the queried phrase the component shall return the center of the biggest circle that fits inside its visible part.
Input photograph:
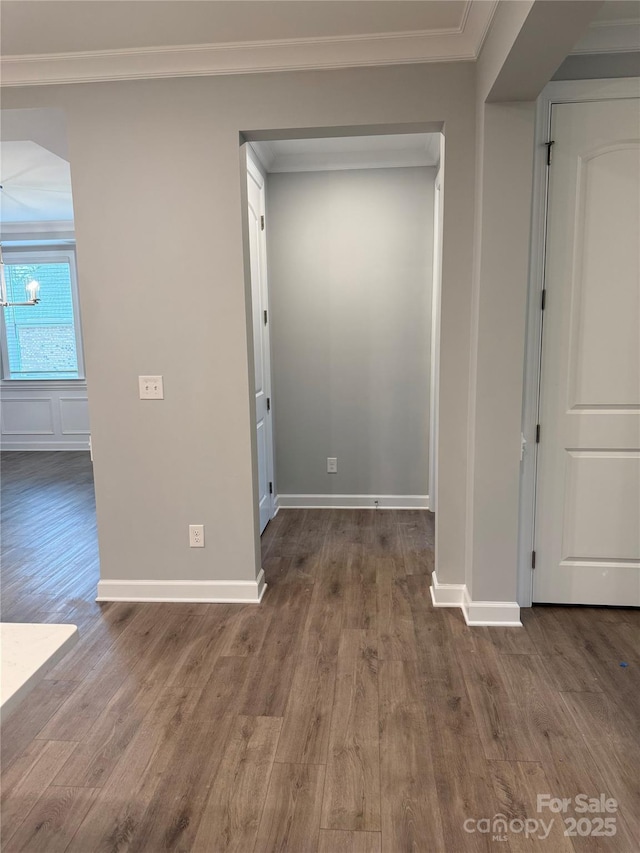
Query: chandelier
(32, 289)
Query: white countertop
(27, 653)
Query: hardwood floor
(343, 715)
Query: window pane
(41, 339)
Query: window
(41, 341)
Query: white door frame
(256, 170)
(436, 287)
(561, 92)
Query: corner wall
(525, 45)
(157, 194)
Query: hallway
(345, 713)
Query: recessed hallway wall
(350, 269)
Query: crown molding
(264, 154)
(336, 162)
(295, 156)
(453, 45)
(610, 37)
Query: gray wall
(161, 259)
(350, 269)
(163, 286)
(599, 66)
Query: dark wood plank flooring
(343, 715)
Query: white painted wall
(350, 269)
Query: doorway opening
(345, 245)
(50, 551)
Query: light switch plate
(151, 387)
(332, 465)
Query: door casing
(561, 92)
(256, 174)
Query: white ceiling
(64, 26)
(36, 184)
(349, 152)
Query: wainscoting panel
(44, 416)
(27, 416)
(74, 416)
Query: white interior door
(262, 366)
(434, 394)
(588, 498)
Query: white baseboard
(276, 505)
(476, 613)
(446, 594)
(214, 592)
(44, 445)
(499, 613)
(353, 501)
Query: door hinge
(537, 433)
(549, 145)
(544, 298)
(533, 559)
(262, 223)
(265, 316)
(270, 488)
(268, 404)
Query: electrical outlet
(151, 387)
(332, 465)
(196, 535)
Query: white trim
(476, 613)
(214, 592)
(447, 45)
(501, 613)
(350, 160)
(436, 294)
(63, 230)
(256, 173)
(573, 91)
(43, 445)
(276, 505)
(446, 594)
(562, 91)
(610, 37)
(255, 166)
(262, 153)
(42, 384)
(353, 501)
(46, 255)
(401, 150)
